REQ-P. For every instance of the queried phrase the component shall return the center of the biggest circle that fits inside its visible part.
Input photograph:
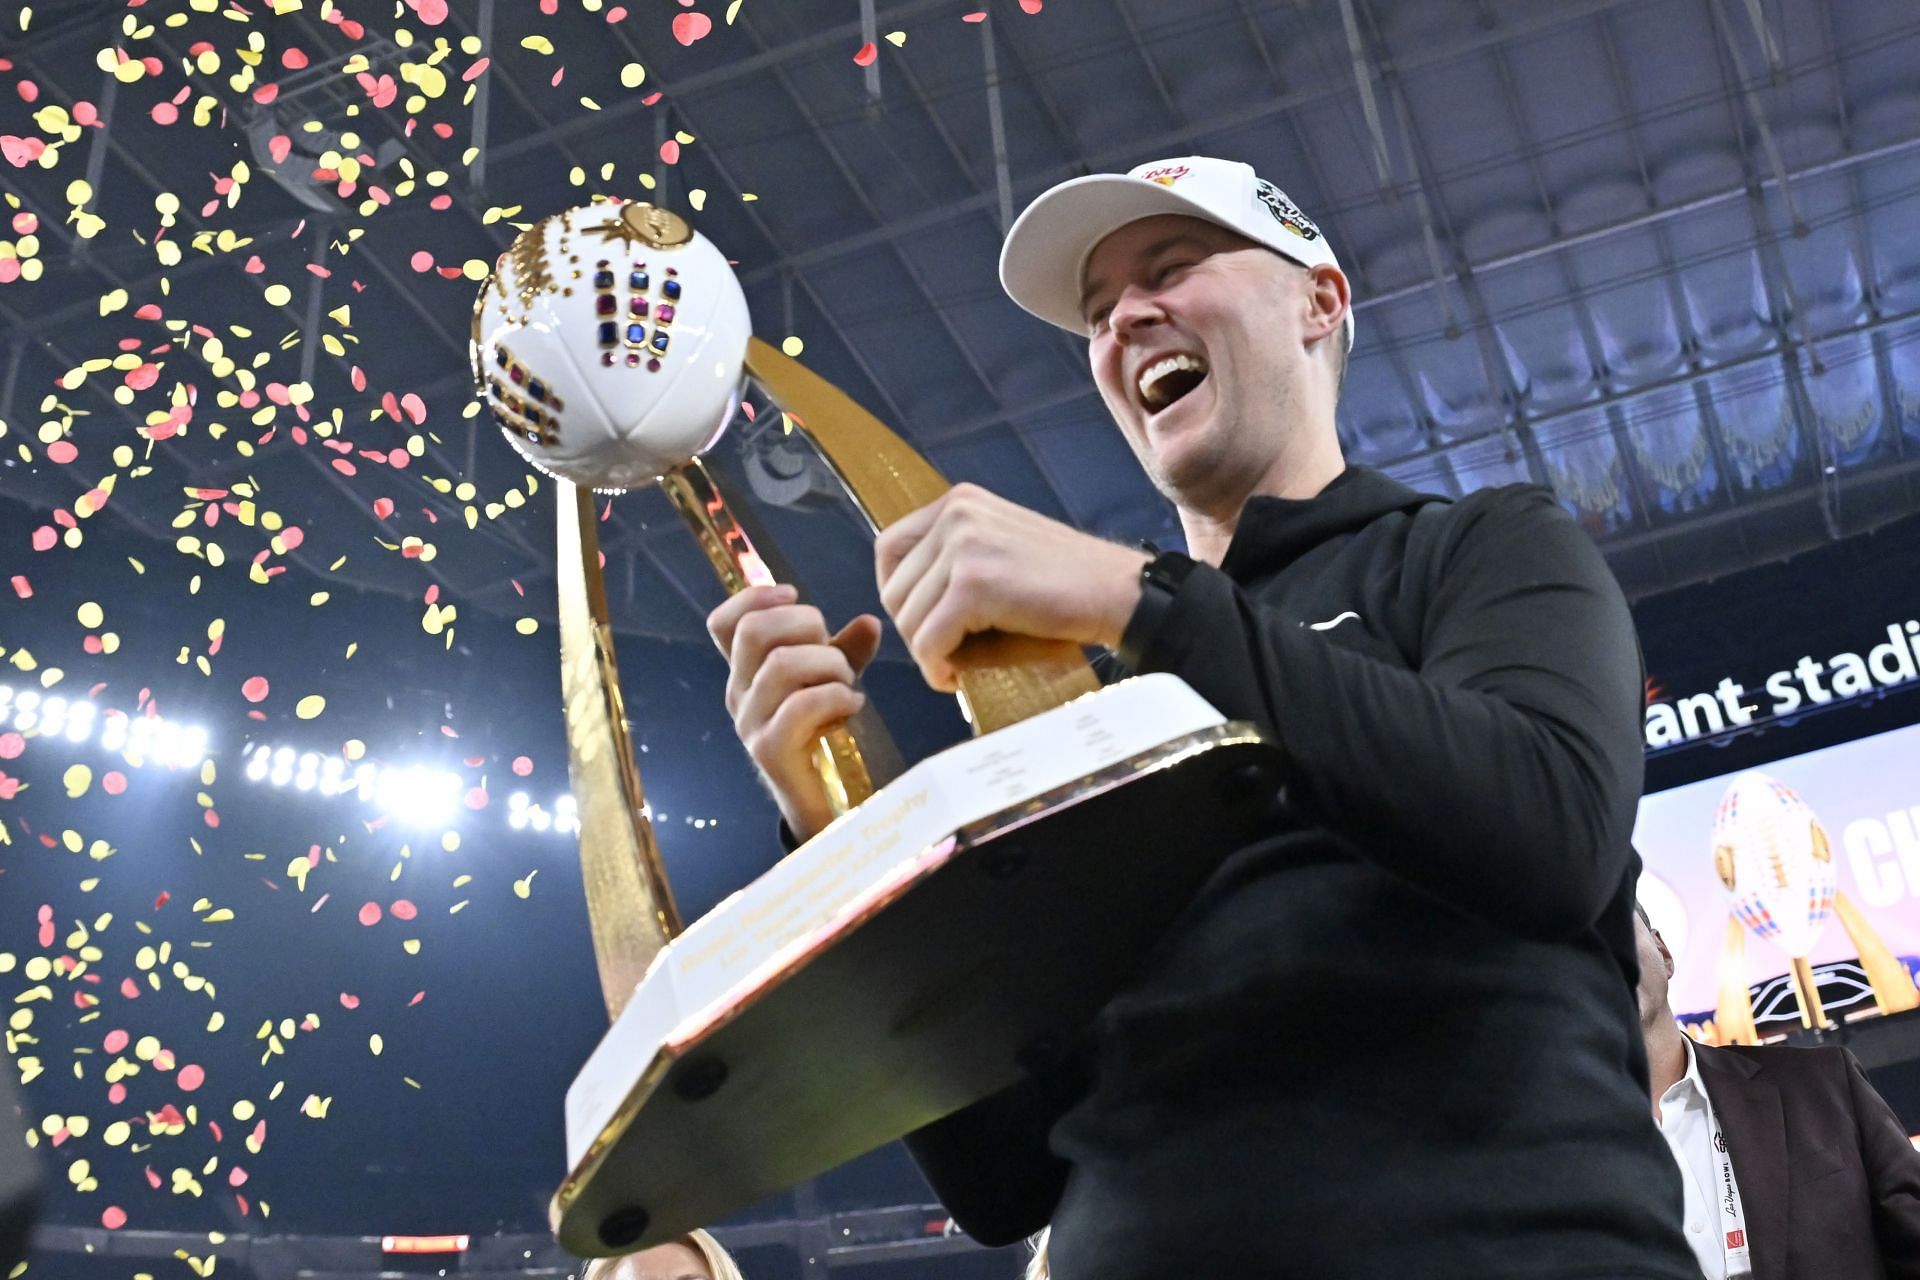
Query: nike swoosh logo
(1331, 623)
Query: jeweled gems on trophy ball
(908, 959)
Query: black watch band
(1160, 580)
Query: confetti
(689, 27)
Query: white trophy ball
(609, 344)
(1773, 858)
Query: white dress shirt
(1686, 1121)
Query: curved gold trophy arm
(1893, 988)
(1733, 1012)
(630, 906)
(1003, 678)
(695, 494)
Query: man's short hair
(1642, 913)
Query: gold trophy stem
(630, 907)
(1733, 1015)
(697, 497)
(1812, 1012)
(1893, 988)
(1003, 678)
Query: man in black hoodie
(1395, 1035)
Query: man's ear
(1328, 298)
(1666, 956)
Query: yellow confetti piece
(697, 198)
(411, 946)
(527, 626)
(896, 38)
(90, 615)
(524, 888)
(278, 295)
(539, 44)
(376, 1044)
(310, 706)
(632, 76)
(77, 779)
(733, 11)
(792, 346)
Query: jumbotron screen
(1789, 894)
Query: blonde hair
(720, 1263)
(1037, 1265)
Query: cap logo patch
(1284, 211)
(1167, 176)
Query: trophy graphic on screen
(947, 925)
(1776, 864)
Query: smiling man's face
(1198, 343)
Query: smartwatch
(1160, 580)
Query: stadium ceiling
(1655, 254)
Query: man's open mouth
(1165, 381)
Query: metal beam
(1130, 151)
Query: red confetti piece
(1030, 6)
(254, 689)
(478, 69)
(688, 27)
(370, 914)
(349, 1002)
(293, 59)
(522, 766)
(62, 452)
(113, 1217)
(670, 151)
(116, 1041)
(44, 537)
(421, 260)
(21, 587)
(432, 12)
(403, 909)
(236, 1177)
(21, 152)
(162, 899)
(477, 798)
(383, 507)
(114, 783)
(418, 996)
(192, 1076)
(165, 113)
(978, 15)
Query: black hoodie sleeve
(1501, 775)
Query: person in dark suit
(1794, 1168)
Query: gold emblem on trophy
(900, 964)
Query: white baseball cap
(1044, 261)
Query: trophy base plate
(1011, 936)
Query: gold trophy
(899, 965)
(1774, 861)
